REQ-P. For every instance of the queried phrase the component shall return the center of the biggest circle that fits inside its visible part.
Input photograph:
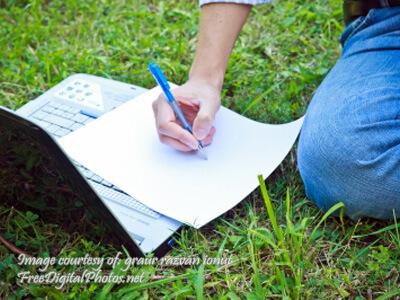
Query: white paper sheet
(123, 147)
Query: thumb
(203, 122)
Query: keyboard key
(106, 183)
(67, 115)
(74, 110)
(76, 163)
(88, 121)
(97, 178)
(53, 128)
(117, 189)
(54, 104)
(48, 109)
(57, 112)
(59, 121)
(64, 107)
(75, 126)
(81, 168)
(42, 124)
(40, 115)
(87, 173)
(61, 132)
(80, 118)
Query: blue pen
(160, 78)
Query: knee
(333, 171)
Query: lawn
(281, 245)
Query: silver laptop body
(75, 102)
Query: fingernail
(201, 134)
(190, 144)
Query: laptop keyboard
(124, 200)
(59, 120)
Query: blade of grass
(270, 209)
(389, 295)
(200, 283)
(326, 215)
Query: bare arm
(199, 97)
(220, 25)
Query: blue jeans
(349, 147)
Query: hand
(199, 102)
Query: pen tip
(203, 152)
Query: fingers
(176, 132)
(203, 122)
(174, 143)
(182, 147)
(167, 126)
(170, 130)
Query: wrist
(211, 76)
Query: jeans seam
(364, 23)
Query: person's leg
(349, 147)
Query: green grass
(283, 246)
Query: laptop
(71, 104)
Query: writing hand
(199, 102)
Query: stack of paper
(123, 148)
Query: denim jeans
(349, 147)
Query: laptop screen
(37, 176)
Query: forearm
(220, 25)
